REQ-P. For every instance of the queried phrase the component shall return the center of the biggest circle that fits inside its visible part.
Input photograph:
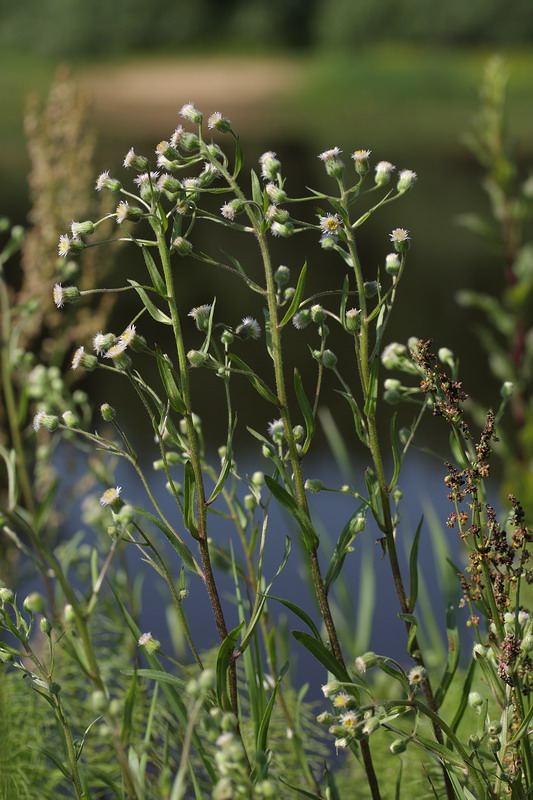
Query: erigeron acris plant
(167, 201)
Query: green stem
(194, 452)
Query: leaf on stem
(325, 656)
(257, 382)
(188, 500)
(305, 408)
(297, 297)
(454, 650)
(154, 312)
(224, 656)
(169, 383)
(177, 543)
(355, 525)
(155, 276)
(413, 567)
(288, 502)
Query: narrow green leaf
(156, 675)
(303, 792)
(189, 493)
(226, 465)
(262, 737)
(177, 543)
(260, 603)
(413, 627)
(305, 408)
(413, 567)
(169, 383)
(452, 661)
(396, 454)
(157, 281)
(258, 384)
(224, 656)
(299, 613)
(257, 192)
(440, 751)
(355, 525)
(48, 753)
(205, 347)
(344, 302)
(129, 707)
(372, 391)
(359, 423)
(45, 506)
(283, 497)
(465, 691)
(322, 654)
(154, 312)
(297, 297)
(239, 158)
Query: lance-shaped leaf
(297, 297)
(258, 384)
(288, 502)
(452, 662)
(226, 465)
(305, 408)
(413, 567)
(396, 454)
(177, 543)
(262, 736)
(154, 312)
(155, 276)
(169, 383)
(325, 656)
(355, 525)
(188, 500)
(257, 193)
(224, 656)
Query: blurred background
(398, 77)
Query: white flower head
(116, 349)
(102, 342)
(38, 420)
(122, 211)
(330, 155)
(77, 357)
(330, 224)
(249, 328)
(276, 430)
(228, 211)
(146, 179)
(176, 136)
(64, 245)
(383, 172)
(130, 155)
(101, 181)
(190, 112)
(399, 235)
(128, 336)
(361, 155)
(349, 720)
(341, 700)
(111, 496)
(59, 298)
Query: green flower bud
(398, 746)
(68, 613)
(99, 701)
(258, 479)
(227, 338)
(207, 680)
(446, 356)
(313, 485)
(70, 419)
(406, 180)
(353, 319)
(371, 288)
(190, 112)
(270, 166)
(249, 502)
(151, 645)
(45, 626)
(282, 276)
(182, 246)
(108, 412)
(34, 603)
(370, 726)
(366, 661)
(219, 123)
(392, 264)
(329, 359)
(475, 701)
(494, 744)
(6, 595)
(527, 642)
(325, 718)
(474, 741)
(82, 228)
(494, 727)
(507, 389)
(317, 313)
(196, 358)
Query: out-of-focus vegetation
(99, 27)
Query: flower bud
(34, 603)
(313, 485)
(275, 194)
(6, 595)
(105, 182)
(383, 173)
(270, 166)
(70, 419)
(249, 502)
(317, 313)
(188, 111)
(147, 641)
(392, 264)
(283, 229)
(227, 337)
(494, 727)
(332, 162)
(301, 319)
(353, 319)
(219, 123)
(48, 421)
(248, 329)
(99, 701)
(82, 228)
(126, 515)
(207, 680)
(494, 744)
(474, 741)
(527, 643)
(370, 726)
(507, 389)
(400, 238)
(325, 718)
(331, 688)
(182, 246)
(406, 180)
(108, 412)
(140, 163)
(282, 276)
(366, 661)
(360, 158)
(65, 294)
(329, 359)
(446, 356)
(398, 746)
(478, 651)
(475, 701)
